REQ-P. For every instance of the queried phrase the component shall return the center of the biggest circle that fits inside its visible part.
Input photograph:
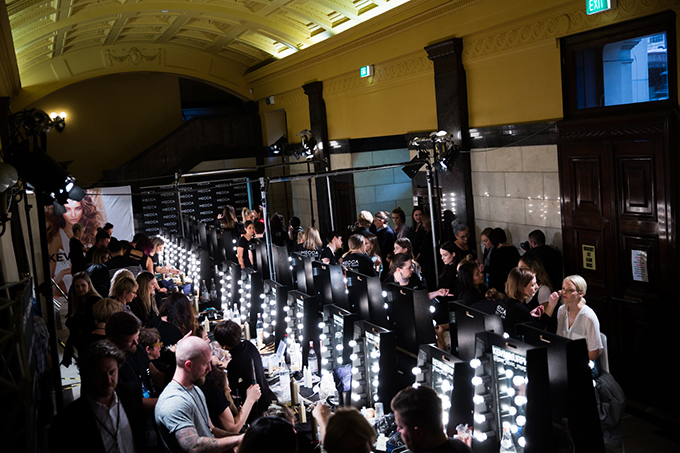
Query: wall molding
(135, 56)
(560, 25)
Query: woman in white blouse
(574, 318)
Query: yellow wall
(110, 120)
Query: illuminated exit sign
(366, 71)
(597, 6)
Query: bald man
(181, 412)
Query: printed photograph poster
(99, 206)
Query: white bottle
(284, 382)
(312, 364)
(507, 445)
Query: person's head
(249, 229)
(101, 239)
(150, 340)
(371, 243)
(417, 216)
(228, 219)
(98, 367)
(268, 434)
(102, 310)
(312, 239)
(365, 219)
(403, 245)
(536, 238)
(108, 227)
(469, 276)
(259, 228)
(574, 289)
(398, 216)
(77, 229)
(246, 214)
(147, 288)
(158, 245)
(521, 284)
(122, 329)
(447, 252)
(300, 239)
(74, 212)
(120, 273)
(401, 268)
(276, 222)
(498, 237)
(348, 432)
(193, 355)
(334, 238)
(125, 289)
(115, 247)
(418, 415)
(486, 238)
(145, 245)
(82, 284)
(227, 334)
(427, 221)
(136, 238)
(180, 313)
(277, 409)
(462, 233)
(535, 265)
(356, 243)
(295, 221)
(380, 219)
(101, 255)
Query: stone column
(452, 116)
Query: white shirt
(586, 325)
(113, 420)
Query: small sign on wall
(589, 257)
(639, 262)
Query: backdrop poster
(99, 206)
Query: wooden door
(618, 180)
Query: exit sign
(597, 6)
(366, 71)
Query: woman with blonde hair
(144, 304)
(373, 252)
(542, 296)
(311, 246)
(357, 259)
(574, 318)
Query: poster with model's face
(99, 206)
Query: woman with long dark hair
(471, 280)
(503, 258)
(144, 304)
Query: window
(628, 66)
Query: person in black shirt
(550, 257)
(244, 355)
(293, 231)
(472, 288)
(102, 240)
(385, 234)
(356, 259)
(364, 221)
(312, 245)
(334, 243)
(77, 250)
(243, 251)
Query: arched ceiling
(241, 34)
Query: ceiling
(242, 33)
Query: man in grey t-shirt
(181, 412)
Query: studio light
(411, 170)
(279, 145)
(309, 143)
(8, 176)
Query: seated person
(239, 371)
(357, 259)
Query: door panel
(618, 181)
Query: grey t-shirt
(178, 408)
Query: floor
(644, 429)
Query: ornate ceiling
(242, 33)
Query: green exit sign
(366, 71)
(597, 6)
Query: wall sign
(589, 257)
(639, 265)
(598, 6)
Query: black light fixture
(308, 143)
(279, 146)
(26, 152)
(447, 158)
(411, 170)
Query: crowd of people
(151, 380)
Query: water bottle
(284, 382)
(205, 296)
(259, 328)
(507, 445)
(213, 290)
(312, 363)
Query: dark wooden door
(618, 180)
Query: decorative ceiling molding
(134, 56)
(273, 28)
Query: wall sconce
(58, 120)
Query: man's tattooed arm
(190, 442)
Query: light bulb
(475, 363)
(521, 420)
(416, 371)
(520, 400)
(476, 380)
